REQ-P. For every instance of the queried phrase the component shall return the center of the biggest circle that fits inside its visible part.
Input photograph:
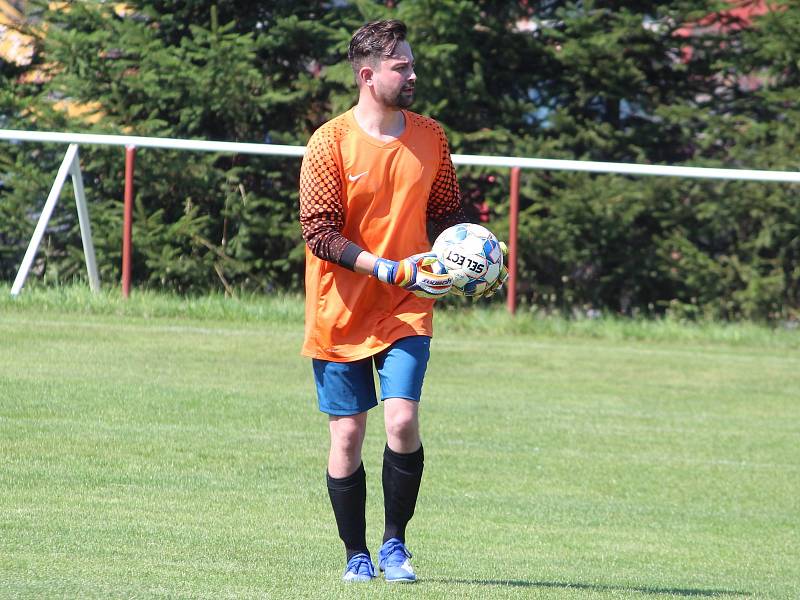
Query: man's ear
(365, 75)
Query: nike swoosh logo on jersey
(357, 177)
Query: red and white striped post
(513, 221)
(127, 221)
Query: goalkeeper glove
(501, 278)
(423, 274)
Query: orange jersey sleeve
(321, 206)
(445, 198)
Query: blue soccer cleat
(393, 560)
(359, 568)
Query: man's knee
(347, 434)
(402, 423)
(402, 426)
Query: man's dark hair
(374, 42)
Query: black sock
(349, 500)
(402, 474)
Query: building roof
(15, 47)
(739, 16)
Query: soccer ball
(472, 256)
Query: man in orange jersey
(372, 180)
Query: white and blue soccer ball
(472, 255)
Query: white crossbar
(459, 159)
(151, 142)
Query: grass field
(168, 448)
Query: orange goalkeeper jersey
(378, 195)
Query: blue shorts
(349, 388)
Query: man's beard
(399, 100)
(404, 100)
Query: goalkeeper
(372, 180)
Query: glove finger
(498, 283)
(433, 284)
(490, 291)
(429, 263)
(503, 276)
(406, 273)
(421, 256)
(421, 293)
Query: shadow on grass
(593, 587)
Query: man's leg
(401, 368)
(403, 461)
(347, 483)
(346, 391)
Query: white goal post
(71, 166)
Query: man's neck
(382, 123)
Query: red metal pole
(513, 221)
(127, 224)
